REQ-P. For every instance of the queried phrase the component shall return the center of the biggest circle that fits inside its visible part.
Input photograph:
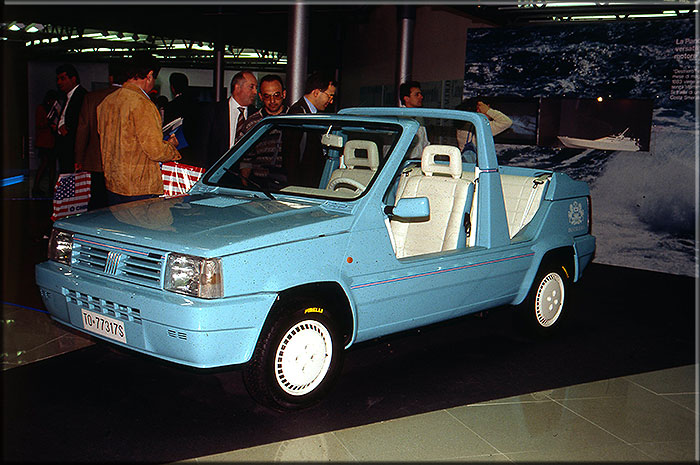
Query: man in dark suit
(88, 155)
(185, 106)
(227, 117)
(68, 81)
(302, 153)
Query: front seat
(358, 163)
(440, 181)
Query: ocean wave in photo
(619, 60)
(644, 205)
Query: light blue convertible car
(316, 232)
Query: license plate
(104, 326)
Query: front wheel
(546, 305)
(297, 360)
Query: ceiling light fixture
(653, 15)
(34, 27)
(593, 17)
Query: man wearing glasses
(264, 162)
(303, 157)
(272, 94)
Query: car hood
(211, 225)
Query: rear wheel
(297, 359)
(546, 305)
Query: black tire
(547, 305)
(297, 358)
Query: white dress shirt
(62, 121)
(233, 113)
(311, 106)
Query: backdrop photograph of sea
(644, 202)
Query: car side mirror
(410, 208)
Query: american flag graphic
(179, 178)
(71, 194)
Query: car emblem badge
(112, 263)
(575, 213)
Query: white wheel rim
(549, 300)
(303, 357)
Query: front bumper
(186, 330)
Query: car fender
(553, 246)
(283, 272)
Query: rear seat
(522, 196)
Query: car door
(392, 294)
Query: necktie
(239, 123)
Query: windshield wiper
(253, 183)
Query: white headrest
(430, 166)
(351, 160)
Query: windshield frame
(308, 122)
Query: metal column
(407, 21)
(219, 71)
(297, 54)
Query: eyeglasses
(275, 96)
(330, 96)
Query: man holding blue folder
(131, 136)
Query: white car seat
(447, 194)
(522, 196)
(355, 167)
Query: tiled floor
(649, 417)
(29, 336)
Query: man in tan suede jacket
(131, 137)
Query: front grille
(95, 304)
(131, 264)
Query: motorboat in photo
(612, 142)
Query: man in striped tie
(227, 116)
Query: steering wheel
(337, 182)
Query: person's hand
(173, 140)
(62, 131)
(481, 107)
